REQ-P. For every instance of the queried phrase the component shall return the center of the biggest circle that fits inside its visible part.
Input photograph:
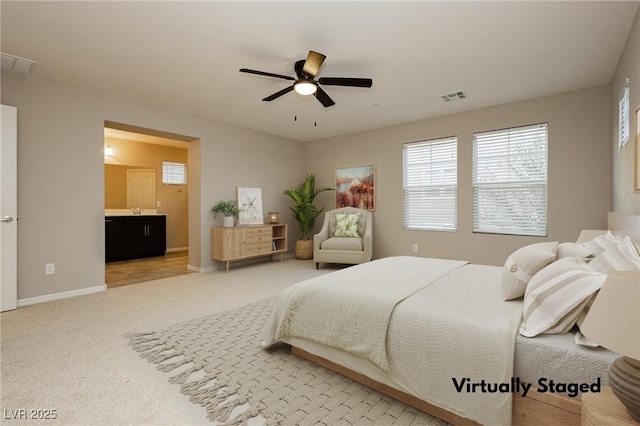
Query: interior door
(141, 188)
(8, 209)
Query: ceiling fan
(306, 71)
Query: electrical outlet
(415, 248)
(49, 268)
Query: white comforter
(455, 327)
(352, 313)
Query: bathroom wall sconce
(274, 217)
(108, 151)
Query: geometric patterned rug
(219, 364)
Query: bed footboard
(536, 409)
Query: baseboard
(169, 250)
(196, 269)
(62, 295)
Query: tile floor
(140, 270)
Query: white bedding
(352, 313)
(465, 313)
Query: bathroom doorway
(135, 185)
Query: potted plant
(228, 209)
(305, 213)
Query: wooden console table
(246, 242)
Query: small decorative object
(305, 213)
(228, 209)
(274, 218)
(250, 205)
(355, 187)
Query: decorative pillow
(522, 265)
(347, 225)
(622, 257)
(557, 295)
(573, 250)
(579, 337)
(602, 242)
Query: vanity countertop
(130, 212)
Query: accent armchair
(346, 237)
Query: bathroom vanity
(133, 236)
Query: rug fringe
(138, 337)
(163, 356)
(182, 377)
(170, 367)
(221, 414)
(191, 387)
(145, 345)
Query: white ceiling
(186, 55)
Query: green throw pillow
(347, 225)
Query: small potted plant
(305, 213)
(228, 209)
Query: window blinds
(174, 173)
(623, 116)
(510, 181)
(430, 184)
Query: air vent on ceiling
(15, 63)
(448, 97)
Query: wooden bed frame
(535, 409)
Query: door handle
(6, 219)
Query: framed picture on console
(250, 205)
(355, 187)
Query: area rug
(218, 363)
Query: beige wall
(625, 199)
(174, 199)
(61, 176)
(115, 186)
(579, 191)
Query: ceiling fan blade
(278, 94)
(267, 74)
(324, 99)
(344, 81)
(313, 63)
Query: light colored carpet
(70, 356)
(217, 362)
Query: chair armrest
(322, 235)
(367, 238)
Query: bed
(448, 345)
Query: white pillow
(573, 250)
(522, 265)
(556, 296)
(602, 242)
(622, 257)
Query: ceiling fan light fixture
(305, 87)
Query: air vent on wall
(15, 63)
(448, 97)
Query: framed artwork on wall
(355, 187)
(250, 205)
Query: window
(430, 184)
(623, 116)
(510, 181)
(174, 173)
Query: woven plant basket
(304, 249)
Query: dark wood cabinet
(133, 237)
(114, 238)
